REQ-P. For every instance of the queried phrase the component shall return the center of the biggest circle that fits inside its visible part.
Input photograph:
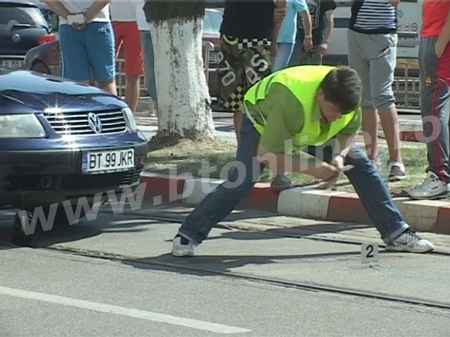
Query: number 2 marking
(369, 250)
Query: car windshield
(17, 15)
(212, 22)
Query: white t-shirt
(123, 10)
(81, 6)
(140, 15)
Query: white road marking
(113, 309)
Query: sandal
(280, 182)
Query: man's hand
(338, 161)
(307, 43)
(324, 172)
(323, 48)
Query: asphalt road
(113, 276)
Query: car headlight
(130, 119)
(21, 126)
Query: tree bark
(183, 98)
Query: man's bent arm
(344, 143)
(299, 163)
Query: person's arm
(344, 143)
(58, 8)
(394, 2)
(444, 37)
(282, 123)
(345, 139)
(307, 26)
(96, 7)
(278, 15)
(329, 25)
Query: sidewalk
(427, 216)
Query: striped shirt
(373, 17)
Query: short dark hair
(342, 87)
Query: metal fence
(406, 88)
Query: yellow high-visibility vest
(303, 82)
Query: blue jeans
(149, 64)
(364, 177)
(284, 52)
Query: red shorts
(127, 35)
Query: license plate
(107, 161)
(214, 56)
(11, 63)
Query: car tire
(40, 67)
(61, 221)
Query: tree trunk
(183, 97)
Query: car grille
(28, 183)
(76, 181)
(77, 123)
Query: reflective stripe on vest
(303, 82)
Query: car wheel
(40, 67)
(60, 221)
(19, 237)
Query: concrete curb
(426, 216)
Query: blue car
(61, 140)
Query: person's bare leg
(391, 127)
(238, 117)
(109, 85)
(132, 92)
(370, 131)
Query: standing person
(434, 61)
(87, 41)
(372, 52)
(288, 30)
(322, 20)
(247, 29)
(309, 107)
(285, 45)
(128, 40)
(148, 55)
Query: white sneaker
(182, 247)
(431, 188)
(409, 241)
(396, 171)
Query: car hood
(32, 92)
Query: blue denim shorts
(87, 51)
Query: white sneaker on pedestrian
(431, 188)
(182, 247)
(409, 241)
(396, 171)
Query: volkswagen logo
(16, 38)
(94, 122)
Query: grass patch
(213, 159)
